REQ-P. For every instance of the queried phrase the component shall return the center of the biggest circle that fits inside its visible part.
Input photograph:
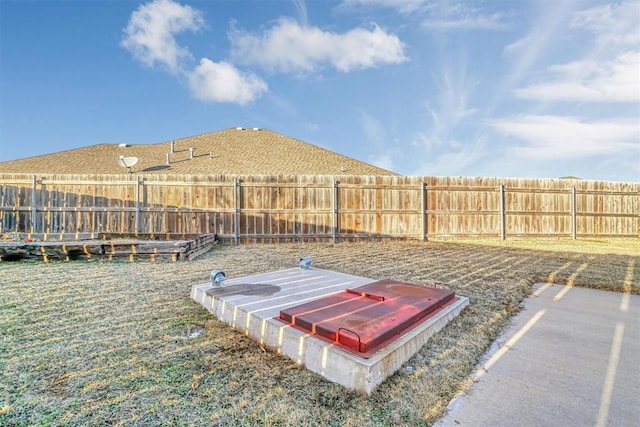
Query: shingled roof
(231, 151)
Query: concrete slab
(570, 358)
(251, 305)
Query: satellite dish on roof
(127, 162)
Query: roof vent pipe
(168, 158)
(191, 152)
(173, 147)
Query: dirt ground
(117, 343)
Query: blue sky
(539, 89)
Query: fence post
(573, 213)
(34, 205)
(425, 217)
(503, 220)
(137, 201)
(336, 211)
(236, 219)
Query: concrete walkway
(570, 358)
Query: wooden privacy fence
(263, 208)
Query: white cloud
(384, 161)
(150, 33)
(609, 72)
(373, 130)
(559, 137)
(443, 148)
(289, 47)
(378, 144)
(301, 8)
(549, 22)
(461, 160)
(222, 82)
(591, 81)
(472, 20)
(150, 36)
(404, 6)
(443, 15)
(612, 24)
(450, 111)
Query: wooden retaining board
(129, 249)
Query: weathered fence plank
(269, 208)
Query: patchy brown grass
(111, 343)
(601, 246)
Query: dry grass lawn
(114, 343)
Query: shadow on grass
(114, 343)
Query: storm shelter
(352, 330)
